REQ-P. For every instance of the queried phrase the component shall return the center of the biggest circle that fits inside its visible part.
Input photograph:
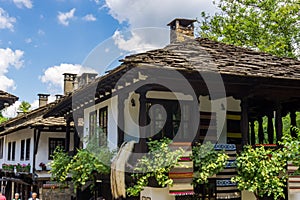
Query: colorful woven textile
(182, 175)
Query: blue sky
(41, 39)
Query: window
(11, 152)
(168, 126)
(103, 125)
(53, 143)
(27, 152)
(92, 123)
(22, 149)
(1, 147)
(25, 149)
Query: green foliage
(268, 25)
(207, 162)
(156, 164)
(2, 119)
(291, 148)
(59, 165)
(262, 171)
(83, 167)
(24, 107)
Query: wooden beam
(142, 147)
(293, 123)
(270, 128)
(244, 121)
(252, 125)
(260, 130)
(68, 135)
(121, 117)
(278, 122)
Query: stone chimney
(68, 83)
(181, 29)
(58, 97)
(86, 78)
(43, 99)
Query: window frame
(56, 140)
(1, 148)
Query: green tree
(2, 119)
(24, 107)
(271, 26)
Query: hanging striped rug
(182, 175)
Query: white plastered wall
(112, 128)
(43, 147)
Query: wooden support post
(252, 132)
(260, 131)
(76, 140)
(121, 117)
(68, 132)
(270, 128)
(293, 123)
(143, 122)
(278, 122)
(244, 121)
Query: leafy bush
(261, 171)
(207, 162)
(156, 164)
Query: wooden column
(244, 121)
(260, 131)
(121, 120)
(68, 133)
(278, 122)
(293, 123)
(270, 128)
(143, 122)
(76, 140)
(252, 125)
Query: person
(34, 196)
(2, 197)
(17, 196)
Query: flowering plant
(42, 165)
(23, 167)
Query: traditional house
(26, 145)
(191, 90)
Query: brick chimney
(86, 78)
(181, 29)
(68, 83)
(43, 99)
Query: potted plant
(153, 168)
(8, 167)
(207, 163)
(262, 171)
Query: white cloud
(89, 18)
(12, 110)
(64, 18)
(6, 22)
(53, 76)
(141, 40)
(28, 40)
(23, 3)
(155, 13)
(9, 58)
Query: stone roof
(200, 54)
(205, 55)
(32, 118)
(5, 97)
